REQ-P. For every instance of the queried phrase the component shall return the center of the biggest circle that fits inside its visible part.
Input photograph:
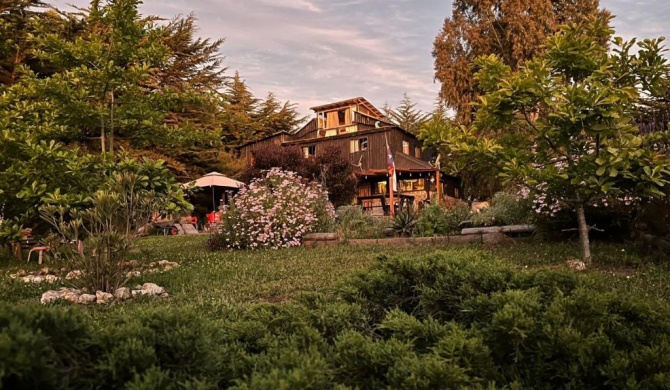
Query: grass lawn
(214, 281)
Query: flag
(391, 165)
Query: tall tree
(568, 119)
(239, 109)
(407, 116)
(514, 30)
(274, 116)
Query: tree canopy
(406, 115)
(514, 30)
(564, 124)
(83, 91)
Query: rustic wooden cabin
(362, 132)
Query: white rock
(87, 299)
(71, 296)
(123, 293)
(168, 265)
(38, 279)
(103, 297)
(131, 274)
(50, 296)
(51, 278)
(576, 265)
(153, 289)
(44, 271)
(73, 274)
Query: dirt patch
(275, 299)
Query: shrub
(353, 222)
(404, 221)
(108, 227)
(450, 320)
(274, 211)
(438, 220)
(330, 167)
(505, 209)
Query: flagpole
(391, 174)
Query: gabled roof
(262, 138)
(349, 102)
(404, 162)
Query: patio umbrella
(215, 179)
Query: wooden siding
(375, 155)
(306, 130)
(246, 152)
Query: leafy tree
(407, 116)
(19, 20)
(514, 30)
(334, 170)
(563, 124)
(329, 167)
(478, 181)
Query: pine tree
(512, 29)
(407, 116)
(239, 111)
(275, 116)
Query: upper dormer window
(405, 147)
(341, 117)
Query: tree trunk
(102, 134)
(583, 235)
(111, 124)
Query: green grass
(216, 281)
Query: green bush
(505, 209)
(404, 221)
(437, 220)
(451, 320)
(353, 222)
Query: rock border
(82, 297)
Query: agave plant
(404, 222)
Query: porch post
(438, 186)
(391, 198)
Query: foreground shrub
(451, 320)
(274, 211)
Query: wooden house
(362, 132)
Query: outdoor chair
(40, 251)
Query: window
(412, 185)
(417, 152)
(405, 147)
(342, 117)
(308, 151)
(358, 145)
(381, 187)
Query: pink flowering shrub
(274, 211)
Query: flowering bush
(274, 211)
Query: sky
(313, 52)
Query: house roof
(346, 103)
(262, 138)
(405, 162)
(355, 134)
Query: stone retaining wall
(487, 238)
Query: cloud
(300, 5)
(317, 51)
